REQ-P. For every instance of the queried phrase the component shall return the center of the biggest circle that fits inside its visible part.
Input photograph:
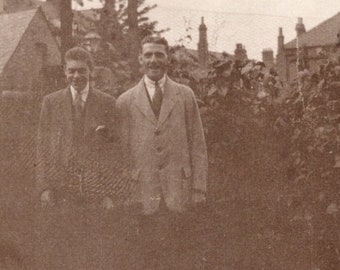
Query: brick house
(322, 37)
(29, 68)
(28, 51)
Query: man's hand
(107, 203)
(46, 198)
(102, 131)
(198, 198)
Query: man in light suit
(162, 132)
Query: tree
(117, 10)
(66, 20)
(123, 23)
(145, 26)
(110, 28)
(133, 36)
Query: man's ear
(140, 59)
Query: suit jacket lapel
(169, 100)
(143, 103)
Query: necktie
(78, 106)
(157, 99)
(78, 125)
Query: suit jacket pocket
(186, 171)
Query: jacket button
(157, 132)
(159, 149)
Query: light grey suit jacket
(168, 155)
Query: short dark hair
(155, 40)
(80, 54)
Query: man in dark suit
(75, 160)
(162, 132)
(76, 124)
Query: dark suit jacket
(54, 142)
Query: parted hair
(80, 54)
(155, 40)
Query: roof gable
(321, 35)
(50, 10)
(12, 28)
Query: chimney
(280, 41)
(240, 52)
(300, 27)
(268, 57)
(202, 46)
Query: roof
(12, 28)
(50, 10)
(212, 54)
(321, 35)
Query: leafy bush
(286, 139)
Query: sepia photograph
(169, 135)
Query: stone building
(28, 51)
(323, 37)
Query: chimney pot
(280, 31)
(300, 27)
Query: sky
(254, 23)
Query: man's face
(77, 74)
(154, 60)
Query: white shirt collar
(83, 93)
(151, 84)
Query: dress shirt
(83, 93)
(150, 85)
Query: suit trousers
(75, 234)
(167, 240)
